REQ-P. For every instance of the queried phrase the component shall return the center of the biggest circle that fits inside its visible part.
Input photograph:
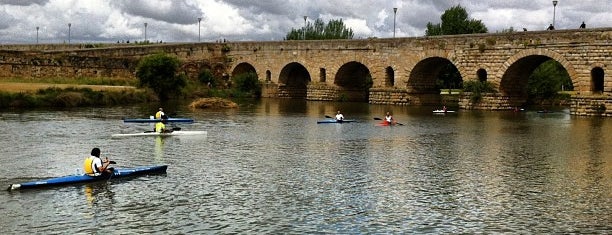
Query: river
(268, 167)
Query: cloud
(169, 11)
(240, 20)
(23, 2)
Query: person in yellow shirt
(95, 166)
(160, 127)
(159, 114)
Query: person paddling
(94, 166)
(389, 119)
(160, 127)
(339, 117)
(159, 113)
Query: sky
(95, 21)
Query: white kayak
(443, 111)
(151, 133)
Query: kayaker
(94, 166)
(160, 127)
(159, 113)
(389, 119)
(339, 116)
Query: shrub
(159, 72)
(246, 83)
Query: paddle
(329, 117)
(380, 119)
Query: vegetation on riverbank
(72, 97)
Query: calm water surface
(269, 168)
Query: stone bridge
(400, 71)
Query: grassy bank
(73, 97)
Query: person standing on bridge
(583, 25)
(551, 27)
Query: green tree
(455, 21)
(334, 29)
(546, 80)
(159, 72)
(246, 84)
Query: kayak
(75, 179)
(334, 121)
(443, 111)
(149, 120)
(152, 133)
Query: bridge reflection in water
(269, 168)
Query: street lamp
(305, 17)
(145, 24)
(69, 25)
(37, 34)
(199, 20)
(394, 13)
(554, 10)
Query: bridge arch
(515, 72)
(424, 74)
(353, 81)
(293, 81)
(243, 67)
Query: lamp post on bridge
(394, 14)
(199, 21)
(554, 10)
(37, 34)
(305, 17)
(69, 25)
(145, 32)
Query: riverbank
(33, 87)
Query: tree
(334, 29)
(455, 21)
(546, 80)
(159, 72)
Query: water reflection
(269, 168)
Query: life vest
(159, 115)
(88, 167)
(159, 127)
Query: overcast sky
(264, 20)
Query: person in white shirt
(339, 116)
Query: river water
(268, 167)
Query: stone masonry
(399, 71)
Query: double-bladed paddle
(380, 119)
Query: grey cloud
(24, 2)
(179, 12)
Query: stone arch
(293, 81)
(424, 74)
(481, 75)
(515, 72)
(389, 77)
(353, 81)
(243, 67)
(268, 76)
(597, 80)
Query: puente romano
(398, 71)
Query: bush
(159, 72)
(246, 84)
(477, 88)
(206, 77)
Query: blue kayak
(75, 179)
(334, 121)
(147, 120)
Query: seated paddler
(160, 127)
(95, 166)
